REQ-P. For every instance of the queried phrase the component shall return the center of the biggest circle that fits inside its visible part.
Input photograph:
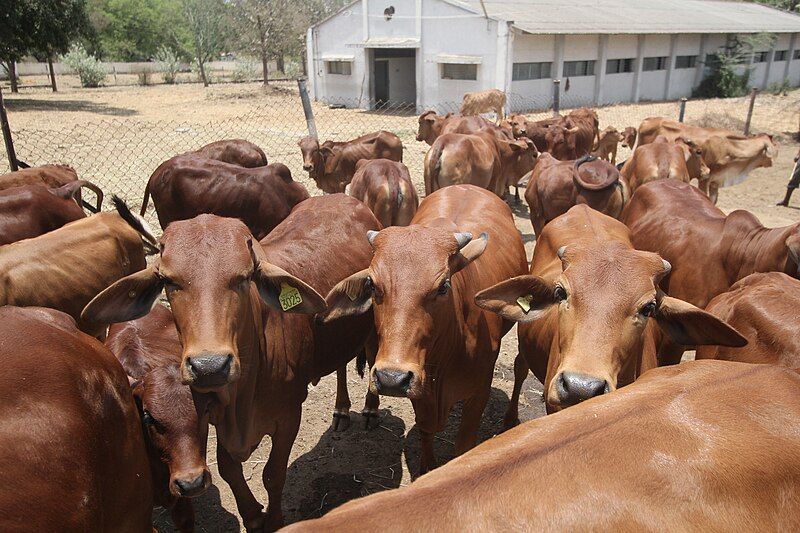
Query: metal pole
(309, 113)
(556, 97)
(750, 111)
(9, 142)
(683, 110)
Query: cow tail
(361, 363)
(136, 222)
(145, 200)
(435, 167)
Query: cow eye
(648, 309)
(148, 419)
(444, 288)
(560, 293)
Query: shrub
(723, 81)
(168, 64)
(246, 69)
(88, 68)
(779, 87)
(196, 72)
(145, 76)
(293, 69)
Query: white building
(430, 52)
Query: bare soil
(328, 468)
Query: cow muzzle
(191, 484)
(307, 167)
(393, 382)
(208, 370)
(572, 388)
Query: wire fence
(120, 154)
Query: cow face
(410, 286)
(211, 269)
(312, 159)
(519, 157)
(601, 304)
(172, 427)
(629, 137)
(518, 125)
(560, 140)
(693, 155)
(430, 126)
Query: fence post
(12, 155)
(750, 111)
(307, 111)
(556, 97)
(683, 110)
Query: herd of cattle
(108, 393)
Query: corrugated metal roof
(637, 16)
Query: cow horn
(561, 251)
(463, 238)
(371, 234)
(667, 267)
(611, 179)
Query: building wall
(619, 87)
(402, 75)
(529, 48)
(331, 39)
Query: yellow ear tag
(289, 297)
(524, 303)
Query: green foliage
(168, 63)
(145, 76)
(246, 69)
(90, 71)
(779, 87)
(729, 73)
(208, 22)
(292, 69)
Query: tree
(208, 24)
(54, 26)
(787, 5)
(15, 41)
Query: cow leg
(471, 415)
(427, 459)
(713, 192)
(183, 515)
(341, 412)
(249, 509)
(702, 184)
(521, 370)
(274, 475)
(516, 194)
(372, 401)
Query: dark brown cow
(431, 126)
(385, 187)
(188, 185)
(53, 176)
(436, 346)
(72, 452)
(65, 268)
(585, 309)
(32, 210)
(247, 326)
(333, 164)
(575, 136)
(554, 186)
(708, 250)
(175, 424)
(234, 151)
(705, 446)
(534, 130)
(478, 159)
(662, 160)
(765, 309)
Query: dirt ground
(328, 468)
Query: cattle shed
(428, 53)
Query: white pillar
(600, 71)
(637, 71)
(501, 56)
(419, 64)
(558, 57)
(311, 63)
(701, 61)
(365, 18)
(768, 70)
(792, 46)
(673, 50)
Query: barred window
(796, 54)
(685, 61)
(456, 71)
(531, 71)
(780, 55)
(578, 68)
(339, 67)
(760, 57)
(654, 63)
(619, 66)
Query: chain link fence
(119, 154)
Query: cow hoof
(341, 420)
(510, 423)
(257, 524)
(372, 418)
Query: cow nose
(393, 382)
(574, 388)
(191, 487)
(306, 166)
(210, 369)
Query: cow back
(32, 210)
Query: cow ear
(521, 299)
(284, 292)
(793, 244)
(351, 296)
(690, 326)
(468, 253)
(129, 298)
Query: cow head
(212, 270)
(601, 304)
(171, 422)
(560, 139)
(610, 136)
(629, 137)
(518, 125)
(410, 286)
(693, 155)
(518, 157)
(312, 158)
(430, 126)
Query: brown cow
(314, 160)
(65, 268)
(533, 130)
(554, 186)
(765, 308)
(72, 452)
(188, 185)
(174, 419)
(478, 159)
(708, 250)
(629, 135)
(436, 346)
(491, 100)
(53, 176)
(661, 160)
(32, 210)
(606, 147)
(729, 156)
(431, 126)
(385, 187)
(705, 446)
(340, 162)
(585, 309)
(234, 151)
(573, 137)
(247, 326)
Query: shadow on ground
(209, 515)
(30, 104)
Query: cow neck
(759, 250)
